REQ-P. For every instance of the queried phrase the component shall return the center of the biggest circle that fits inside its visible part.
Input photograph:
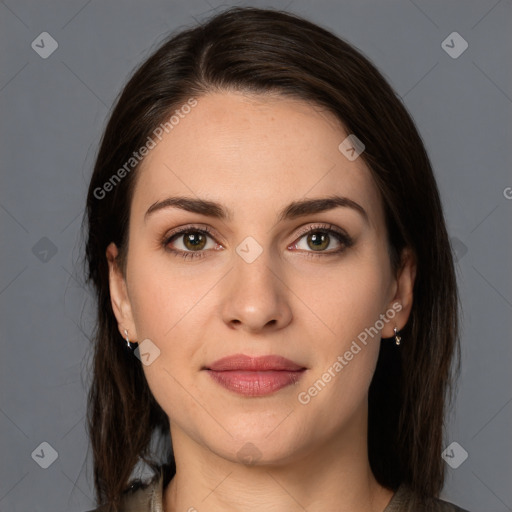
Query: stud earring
(397, 337)
(131, 346)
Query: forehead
(251, 152)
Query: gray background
(52, 114)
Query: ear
(402, 299)
(119, 295)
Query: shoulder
(445, 506)
(405, 500)
(140, 497)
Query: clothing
(149, 498)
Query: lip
(255, 376)
(256, 364)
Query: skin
(255, 154)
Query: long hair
(269, 51)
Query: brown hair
(268, 51)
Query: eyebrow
(292, 211)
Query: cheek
(349, 306)
(167, 309)
(346, 299)
(161, 296)
(170, 308)
(346, 355)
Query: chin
(258, 447)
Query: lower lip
(254, 383)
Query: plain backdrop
(53, 111)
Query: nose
(256, 298)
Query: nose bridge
(257, 295)
(254, 268)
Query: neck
(332, 474)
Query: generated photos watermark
(137, 156)
(304, 397)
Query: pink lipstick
(255, 376)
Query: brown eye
(318, 241)
(194, 240)
(190, 241)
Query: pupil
(194, 239)
(319, 240)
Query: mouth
(255, 376)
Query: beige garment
(150, 499)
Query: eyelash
(340, 236)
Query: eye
(323, 239)
(190, 242)
(319, 240)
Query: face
(311, 283)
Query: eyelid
(192, 227)
(343, 238)
(322, 227)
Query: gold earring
(397, 337)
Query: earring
(131, 346)
(397, 337)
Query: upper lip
(248, 363)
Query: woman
(276, 291)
